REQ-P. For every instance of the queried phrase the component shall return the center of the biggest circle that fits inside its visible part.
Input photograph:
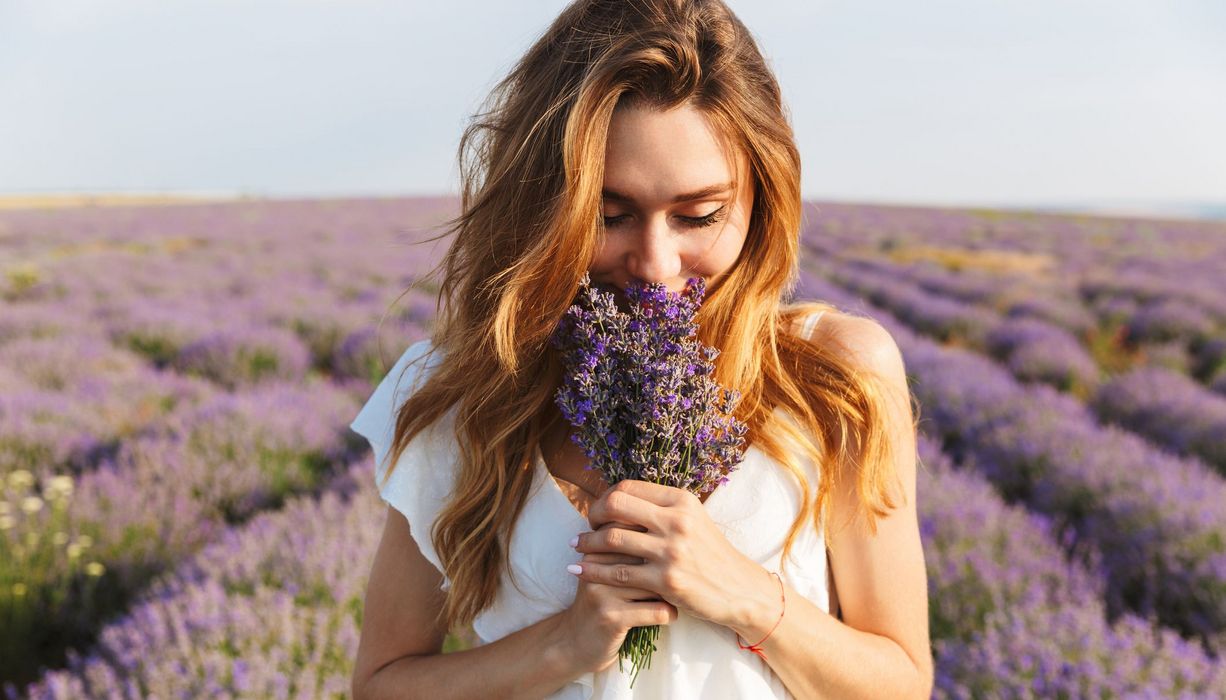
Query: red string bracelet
(756, 648)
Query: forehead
(655, 154)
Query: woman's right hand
(597, 621)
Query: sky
(1026, 103)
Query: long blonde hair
(531, 166)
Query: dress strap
(810, 324)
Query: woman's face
(667, 204)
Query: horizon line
(1193, 210)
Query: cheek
(723, 252)
(604, 259)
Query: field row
(1149, 522)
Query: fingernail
(574, 568)
(574, 541)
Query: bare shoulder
(865, 343)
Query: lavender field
(184, 512)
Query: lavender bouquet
(637, 387)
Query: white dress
(695, 658)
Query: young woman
(641, 141)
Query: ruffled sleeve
(422, 481)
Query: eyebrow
(703, 193)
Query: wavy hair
(531, 168)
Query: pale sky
(940, 102)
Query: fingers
(618, 574)
(658, 494)
(618, 504)
(650, 614)
(627, 593)
(636, 595)
(627, 526)
(611, 558)
(619, 540)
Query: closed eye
(690, 221)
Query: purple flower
(638, 388)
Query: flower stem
(638, 646)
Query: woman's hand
(686, 560)
(598, 619)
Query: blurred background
(1083, 104)
(213, 223)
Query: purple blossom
(1008, 612)
(1170, 409)
(1170, 319)
(1035, 350)
(638, 389)
(236, 357)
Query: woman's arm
(399, 654)
(881, 647)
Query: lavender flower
(1170, 409)
(638, 388)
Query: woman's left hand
(687, 560)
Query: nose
(654, 256)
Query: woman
(641, 141)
